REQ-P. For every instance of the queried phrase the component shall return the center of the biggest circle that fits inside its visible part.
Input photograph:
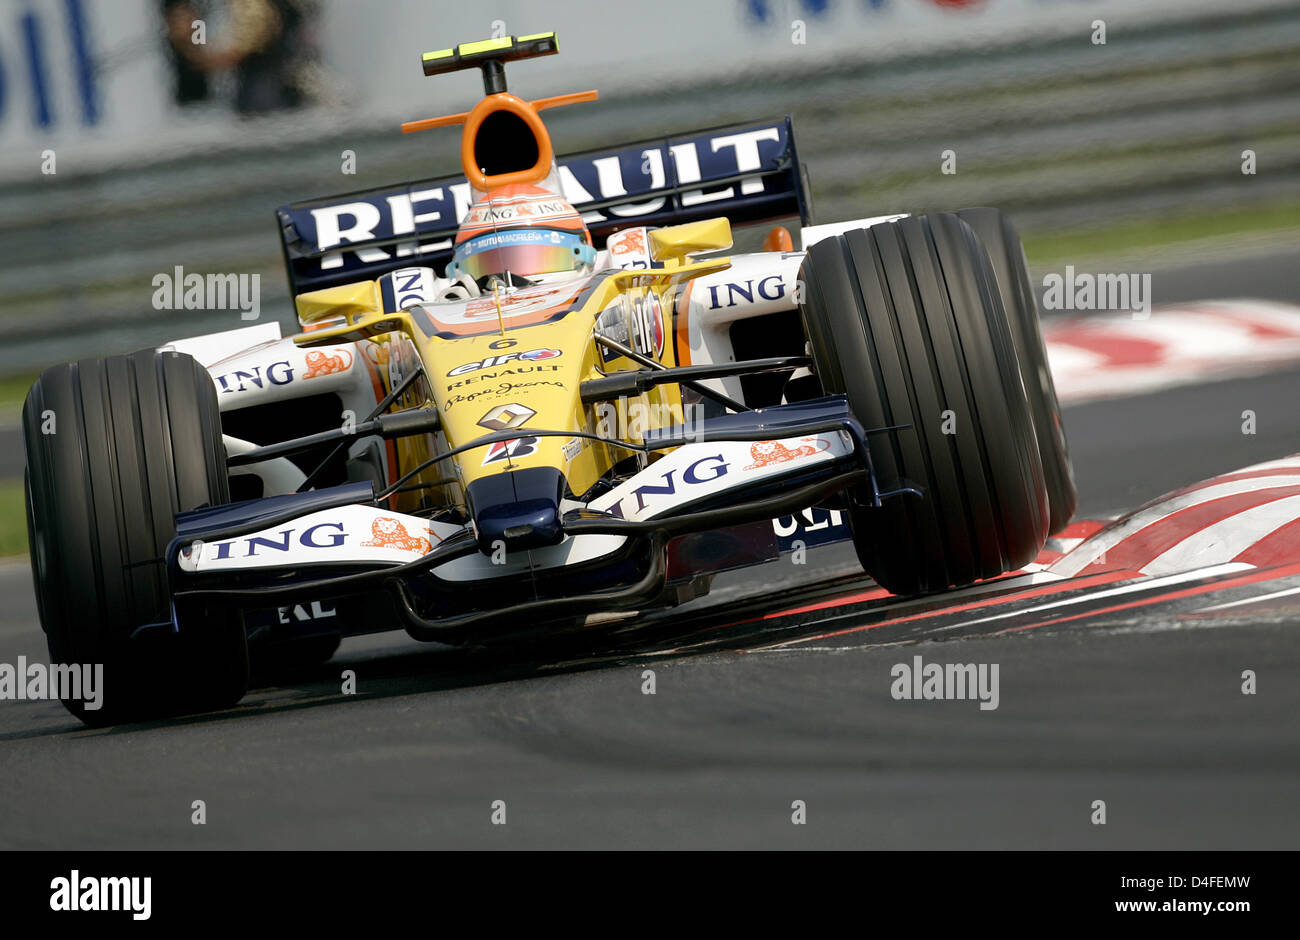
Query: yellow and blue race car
(536, 391)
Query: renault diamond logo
(506, 417)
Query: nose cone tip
(517, 510)
(533, 523)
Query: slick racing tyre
(904, 318)
(1007, 256)
(115, 447)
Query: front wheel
(1007, 256)
(115, 448)
(904, 318)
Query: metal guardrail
(1060, 135)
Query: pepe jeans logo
(504, 388)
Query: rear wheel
(904, 318)
(115, 448)
(1007, 256)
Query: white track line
(1142, 585)
(1252, 600)
(906, 607)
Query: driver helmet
(515, 233)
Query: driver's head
(517, 232)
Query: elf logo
(533, 355)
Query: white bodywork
(368, 535)
(256, 366)
(214, 347)
(755, 285)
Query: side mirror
(346, 300)
(678, 242)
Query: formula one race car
(506, 414)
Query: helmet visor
(525, 252)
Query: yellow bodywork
(347, 300)
(675, 243)
(551, 387)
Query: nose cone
(519, 509)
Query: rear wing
(746, 172)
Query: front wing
(337, 542)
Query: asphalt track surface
(1141, 708)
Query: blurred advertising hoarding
(96, 79)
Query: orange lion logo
(766, 453)
(318, 363)
(387, 532)
(625, 242)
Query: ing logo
(319, 363)
(387, 532)
(766, 453)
